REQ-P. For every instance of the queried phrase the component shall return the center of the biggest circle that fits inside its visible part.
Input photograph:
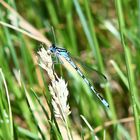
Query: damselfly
(61, 52)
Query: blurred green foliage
(102, 33)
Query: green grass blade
(128, 61)
(85, 25)
(9, 105)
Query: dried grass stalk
(59, 92)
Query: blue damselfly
(61, 52)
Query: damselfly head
(52, 48)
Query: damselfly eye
(52, 49)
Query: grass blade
(128, 60)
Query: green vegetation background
(104, 34)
